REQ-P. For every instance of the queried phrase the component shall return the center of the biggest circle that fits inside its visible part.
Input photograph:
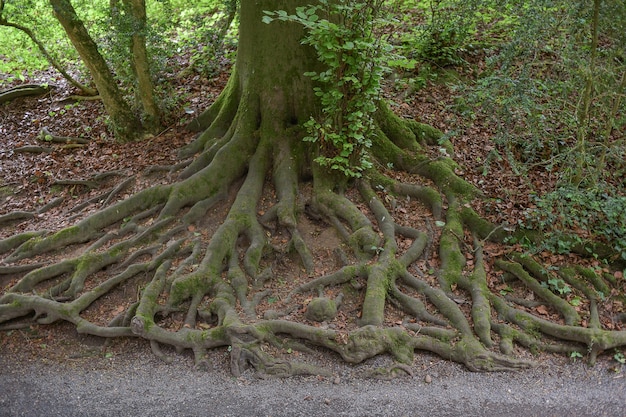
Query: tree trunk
(271, 62)
(126, 126)
(270, 67)
(141, 65)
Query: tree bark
(270, 67)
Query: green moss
(67, 234)
(88, 259)
(452, 260)
(400, 345)
(5, 191)
(482, 227)
(382, 181)
(146, 321)
(442, 173)
(395, 128)
(424, 133)
(529, 326)
(350, 289)
(321, 309)
(218, 333)
(183, 289)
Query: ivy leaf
(301, 13)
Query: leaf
(439, 223)
(301, 13)
(542, 310)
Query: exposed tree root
(24, 90)
(217, 274)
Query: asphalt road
(145, 386)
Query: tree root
(192, 281)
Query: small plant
(575, 355)
(344, 37)
(575, 301)
(377, 249)
(506, 290)
(444, 32)
(557, 286)
(619, 357)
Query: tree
(126, 125)
(215, 273)
(129, 23)
(4, 21)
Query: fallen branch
(24, 90)
(46, 136)
(33, 149)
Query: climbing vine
(351, 52)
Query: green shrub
(594, 214)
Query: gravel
(141, 385)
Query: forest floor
(71, 177)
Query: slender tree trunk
(126, 126)
(141, 64)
